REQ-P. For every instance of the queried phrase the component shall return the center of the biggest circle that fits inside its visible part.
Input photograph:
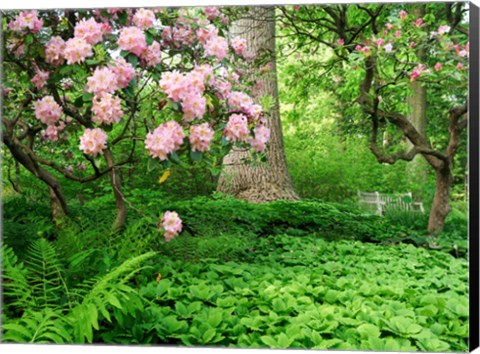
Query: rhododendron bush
(98, 83)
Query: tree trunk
(441, 201)
(417, 169)
(116, 181)
(270, 181)
(57, 199)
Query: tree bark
(441, 201)
(57, 199)
(116, 182)
(417, 169)
(271, 181)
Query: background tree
(382, 42)
(270, 181)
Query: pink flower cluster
(217, 47)
(26, 20)
(76, 50)
(204, 34)
(102, 81)
(93, 141)
(239, 45)
(443, 29)
(52, 131)
(124, 72)
(47, 110)
(415, 74)
(212, 12)
(132, 39)
(188, 88)
(262, 135)
(172, 225)
(243, 102)
(165, 139)
(200, 137)
(89, 30)
(107, 109)
(54, 51)
(237, 128)
(144, 19)
(152, 55)
(40, 78)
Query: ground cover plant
(189, 177)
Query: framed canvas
(241, 176)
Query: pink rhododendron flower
(124, 72)
(165, 139)
(200, 137)
(47, 110)
(81, 166)
(389, 26)
(358, 47)
(107, 109)
(54, 50)
(403, 15)
(266, 68)
(366, 51)
(152, 55)
(69, 169)
(103, 80)
(76, 50)
(237, 128)
(173, 84)
(193, 106)
(217, 47)
(340, 42)
(16, 47)
(172, 225)
(207, 33)
(223, 87)
(183, 35)
(262, 135)
(240, 100)
(40, 78)
(239, 45)
(397, 34)
(144, 19)
(459, 66)
(438, 67)
(132, 39)
(417, 72)
(212, 12)
(388, 47)
(419, 23)
(89, 30)
(206, 71)
(380, 42)
(93, 141)
(443, 29)
(26, 20)
(413, 44)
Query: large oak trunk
(116, 182)
(269, 181)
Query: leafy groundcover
(307, 293)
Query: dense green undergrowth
(306, 274)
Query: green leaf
(215, 317)
(269, 341)
(368, 330)
(208, 335)
(132, 59)
(196, 155)
(28, 39)
(87, 96)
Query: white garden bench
(380, 202)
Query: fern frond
(17, 293)
(110, 292)
(45, 273)
(45, 326)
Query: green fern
(17, 293)
(45, 274)
(38, 288)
